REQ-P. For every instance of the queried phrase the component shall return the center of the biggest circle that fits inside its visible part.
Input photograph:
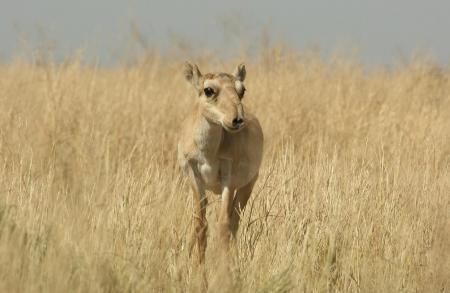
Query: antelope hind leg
(239, 203)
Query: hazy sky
(382, 30)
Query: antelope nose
(237, 122)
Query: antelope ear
(240, 72)
(192, 74)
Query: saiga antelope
(220, 149)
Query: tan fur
(216, 154)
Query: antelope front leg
(227, 205)
(199, 212)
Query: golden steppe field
(353, 193)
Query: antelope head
(220, 95)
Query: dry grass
(354, 193)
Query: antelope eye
(241, 94)
(209, 92)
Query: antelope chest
(209, 170)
